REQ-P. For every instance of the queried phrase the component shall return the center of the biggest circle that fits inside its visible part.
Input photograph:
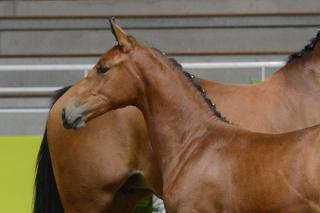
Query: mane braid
(307, 49)
(203, 93)
(197, 85)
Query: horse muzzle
(72, 119)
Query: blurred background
(45, 45)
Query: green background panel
(17, 163)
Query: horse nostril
(65, 123)
(63, 114)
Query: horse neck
(174, 111)
(301, 74)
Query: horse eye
(102, 69)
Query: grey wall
(163, 7)
(68, 32)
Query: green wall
(17, 161)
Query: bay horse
(117, 145)
(206, 164)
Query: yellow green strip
(17, 161)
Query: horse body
(206, 164)
(248, 173)
(287, 101)
(78, 156)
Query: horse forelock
(196, 84)
(307, 49)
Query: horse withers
(206, 164)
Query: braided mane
(307, 49)
(197, 85)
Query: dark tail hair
(46, 195)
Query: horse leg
(133, 191)
(98, 204)
(126, 201)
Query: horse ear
(121, 36)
